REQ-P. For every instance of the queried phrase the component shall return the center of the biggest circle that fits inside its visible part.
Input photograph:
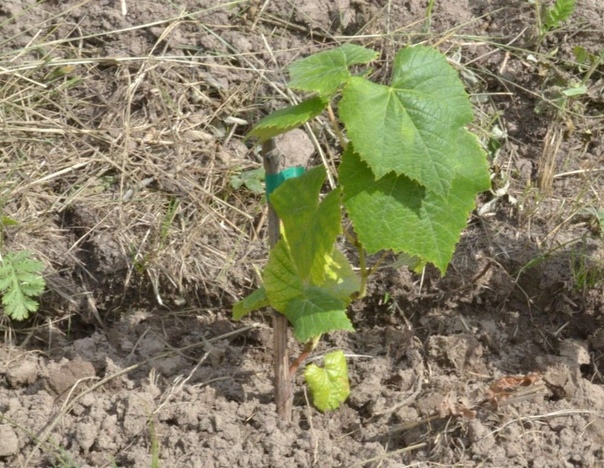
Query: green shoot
(155, 446)
(428, 22)
(171, 212)
(587, 272)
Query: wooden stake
(283, 383)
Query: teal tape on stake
(274, 180)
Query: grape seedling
(407, 181)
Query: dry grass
(117, 169)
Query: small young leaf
(311, 226)
(581, 55)
(412, 262)
(328, 386)
(340, 280)
(316, 312)
(288, 118)
(5, 221)
(251, 179)
(254, 186)
(560, 11)
(396, 213)
(236, 182)
(410, 126)
(254, 301)
(573, 91)
(326, 71)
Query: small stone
(63, 378)
(24, 373)
(9, 441)
(86, 434)
(296, 148)
(575, 351)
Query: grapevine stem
(283, 383)
(336, 126)
(352, 238)
(308, 348)
(365, 271)
(377, 264)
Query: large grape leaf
(328, 386)
(316, 312)
(411, 126)
(311, 226)
(397, 213)
(326, 71)
(288, 118)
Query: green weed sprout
(20, 283)
(251, 179)
(21, 279)
(407, 182)
(552, 17)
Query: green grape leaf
(280, 277)
(288, 118)
(254, 301)
(316, 312)
(410, 126)
(326, 71)
(312, 310)
(311, 226)
(396, 213)
(328, 386)
(340, 280)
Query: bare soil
(118, 166)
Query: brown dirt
(124, 193)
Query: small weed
(551, 17)
(555, 15)
(595, 219)
(171, 212)
(586, 62)
(428, 21)
(20, 282)
(21, 279)
(587, 272)
(154, 444)
(251, 179)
